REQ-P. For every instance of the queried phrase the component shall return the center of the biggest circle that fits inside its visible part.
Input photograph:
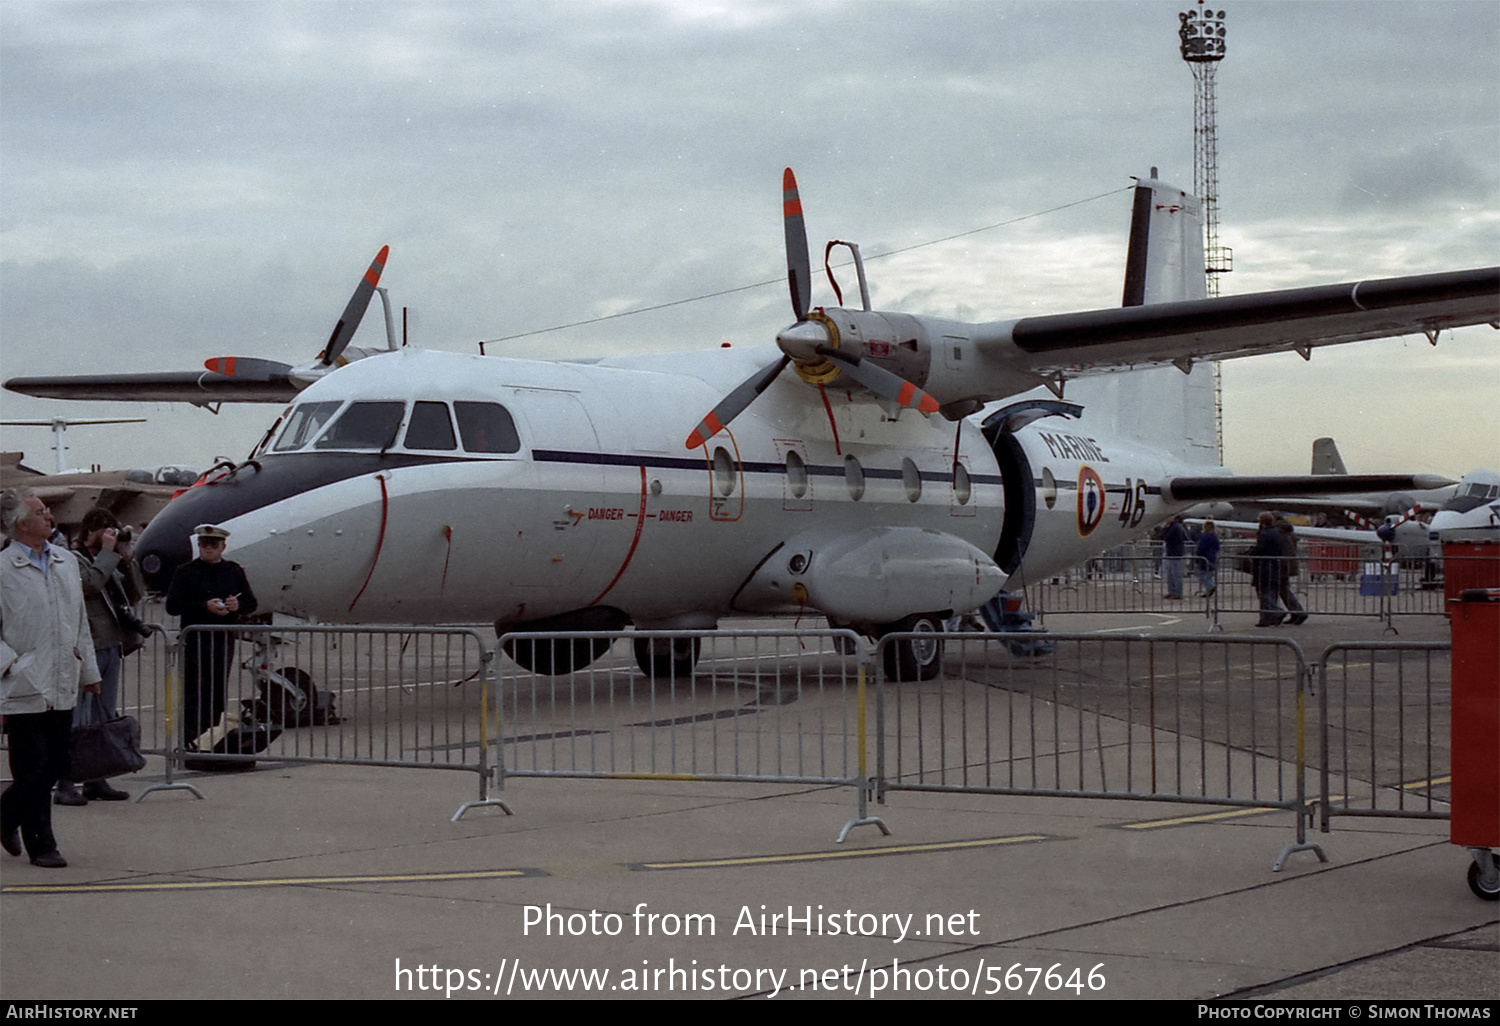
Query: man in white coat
(46, 658)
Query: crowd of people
(1272, 564)
(67, 620)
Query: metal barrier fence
(381, 695)
(1132, 581)
(1197, 719)
(1204, 719)
(143, 681)
(766, 705)
(1385, 747)
(1173, 718)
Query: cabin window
(430, 427)
(962, 489)
(487, 427)
(724, 476)
(364, 426)
(854, 477)
(306, 420)
(911, 479)
(796, 474)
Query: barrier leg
(863, 783)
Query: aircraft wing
(225, 379)
(201, 388)
(1224, 488)
(1344, 535)
(1263, 322)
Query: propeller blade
(343, 331)
(798, 264)
(881, 381)
(248, 368)
(733, 404)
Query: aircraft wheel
(915, 658)
(667, 658)
(553, 658)
(274, 702)
(1477, 886)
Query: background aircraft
(133, 496)
(1366, 506)
(1475, 505)
(840, 473)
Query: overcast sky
(182, 181)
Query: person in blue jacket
(1207, 551)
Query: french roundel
(1090, 500)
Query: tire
(279, 704)
(915, 658)
(667, 658)
(1477, 887)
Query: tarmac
(337, 881)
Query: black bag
(104, 747)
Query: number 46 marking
(1133, 506)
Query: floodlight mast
(1201, 32)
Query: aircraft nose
(166, 544)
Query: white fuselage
(600, 504)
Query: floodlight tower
(1201, 32)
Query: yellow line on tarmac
(285, 881)
(820, 856)
(1434, 782)
(1202, 817)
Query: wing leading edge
(201, 388)
(1228, 489)
(1262, 322)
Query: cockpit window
(486, 427)
(1472, 497)
(364, 426)
(430, 428)
(305, 422)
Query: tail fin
(1162, 406)
(1326, 458)
(1165, 260)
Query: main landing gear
(667, 658)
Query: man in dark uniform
(209, 590)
